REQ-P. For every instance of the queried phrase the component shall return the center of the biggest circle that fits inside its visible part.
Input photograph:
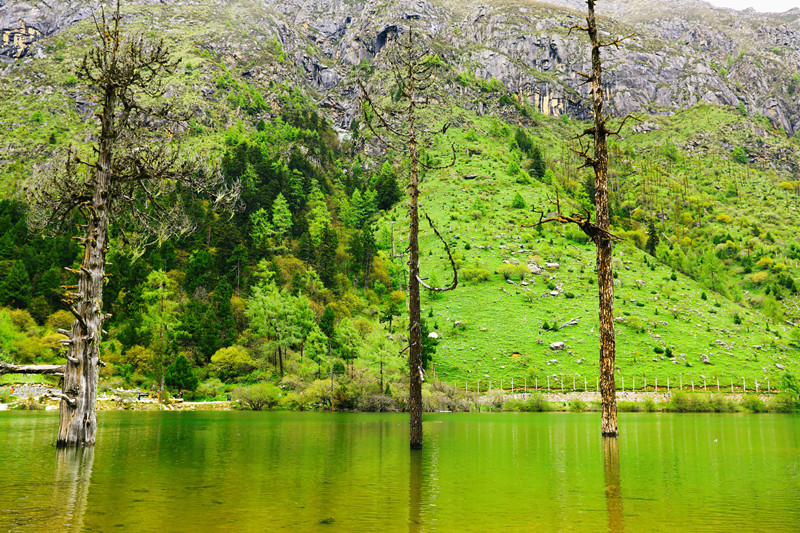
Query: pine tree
(652, 239)
(179, 375)
(281, 218)
(538, 167)
(326, 256)
(15, 290)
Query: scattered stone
(510, 282)
(551, 266)
(556, 346)
(539, 341)
(780, 366)
(705, 359)
(433, 335)
(573, 322)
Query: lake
(287, 471)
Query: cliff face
(681, 52)
(23, 23)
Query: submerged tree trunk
(78, 418)
(414, 311)
(604, 242)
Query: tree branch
(449, 255)
(53, 370)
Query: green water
(244, 471)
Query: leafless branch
(454, 284)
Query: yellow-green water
(244, 471)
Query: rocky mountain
(680, 52)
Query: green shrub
(720, 404)
(683, 402)
(658, 349)
(259, 396)
(513, 271)
(577, 405)
(754, 404)
(629, 407)
(784, 403)
(474, 274)
(650, 405)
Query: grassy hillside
(493, 328)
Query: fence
(582, 384)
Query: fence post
(667, 383)
(585, 384)
(536, 384)
(769, 390)
(573, 383)
(501, 385)
(717, 384)
(731, 385)
(756, 386)
(526, 386)
(692, 384)
(645, 384)
(704, 385)
(512, 385)
(656, 389)
(597, 383)
(479, 386)
(633, 386)
(681, 382)
(548, 383)
(623, 383)
(744, 386)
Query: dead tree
(398, 125)
(130, 180)
(599, 231)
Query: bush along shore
(437, 397)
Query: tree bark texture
(78, 421)
(414, 304)
(56, 370)
(604, 243)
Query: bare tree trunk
(414, 313)
(78, 419)
(604, 243)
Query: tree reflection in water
(415, 492)
(71, 480)
(616, 522)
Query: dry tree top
(140, 143)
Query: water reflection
(616, 522)
(71, 479)
(415, 492)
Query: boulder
(551, 266)
(557, 346)
(433, 335)
(705, 359)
